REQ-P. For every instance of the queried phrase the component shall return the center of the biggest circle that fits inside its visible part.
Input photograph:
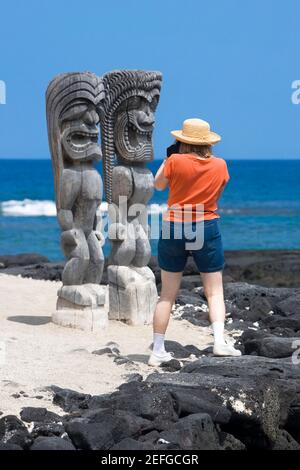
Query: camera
(174, 148)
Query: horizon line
(161, 159)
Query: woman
(196, 180)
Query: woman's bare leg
(170, 286)
(214, 292)
(213, 288)
(169, 289)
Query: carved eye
(74, 112)
(135, 102)
(154, 102)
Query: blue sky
(229, 62)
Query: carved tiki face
(134, 126)
(80, 133)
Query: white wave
(47, 208)
(36, 208)
(28, 208)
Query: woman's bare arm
(160, 181)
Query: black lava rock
(289, 307)
(259, 403)
(146, 400)
(23, 259)
(133, 378)
(51, 443)
(195, 316)
(177, 349)
(30, 414)
(276, 321)
(69, 400)
(271, 346)
(151, 437)
(190, 282)
(185, 296)
(276, 268)
(13, 431)
(47, 430)
(190, 401)
(194, 432)
(100, 433)
(132, 444)
(251, 302)
(171, 366)
(229, 442)
(243, 367)
(9, 447)
(285, 442)
(194, 350)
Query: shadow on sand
(143, 358)
(30, 320)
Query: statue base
(82, 307)
(132, 294)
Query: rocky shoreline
(196, 401)
(269, 268)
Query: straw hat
(197, 132)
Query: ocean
(260, 208)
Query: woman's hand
(160, 181)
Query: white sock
(159, 344)
(218, 331)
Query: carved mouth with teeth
(137, 136)
(133, 136)
(146, 130)
(80, 141)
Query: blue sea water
(260, 208)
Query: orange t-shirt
(195, 187)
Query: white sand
(40, 354)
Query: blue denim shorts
(202, 240)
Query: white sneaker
(156, 360)
(226, 349)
